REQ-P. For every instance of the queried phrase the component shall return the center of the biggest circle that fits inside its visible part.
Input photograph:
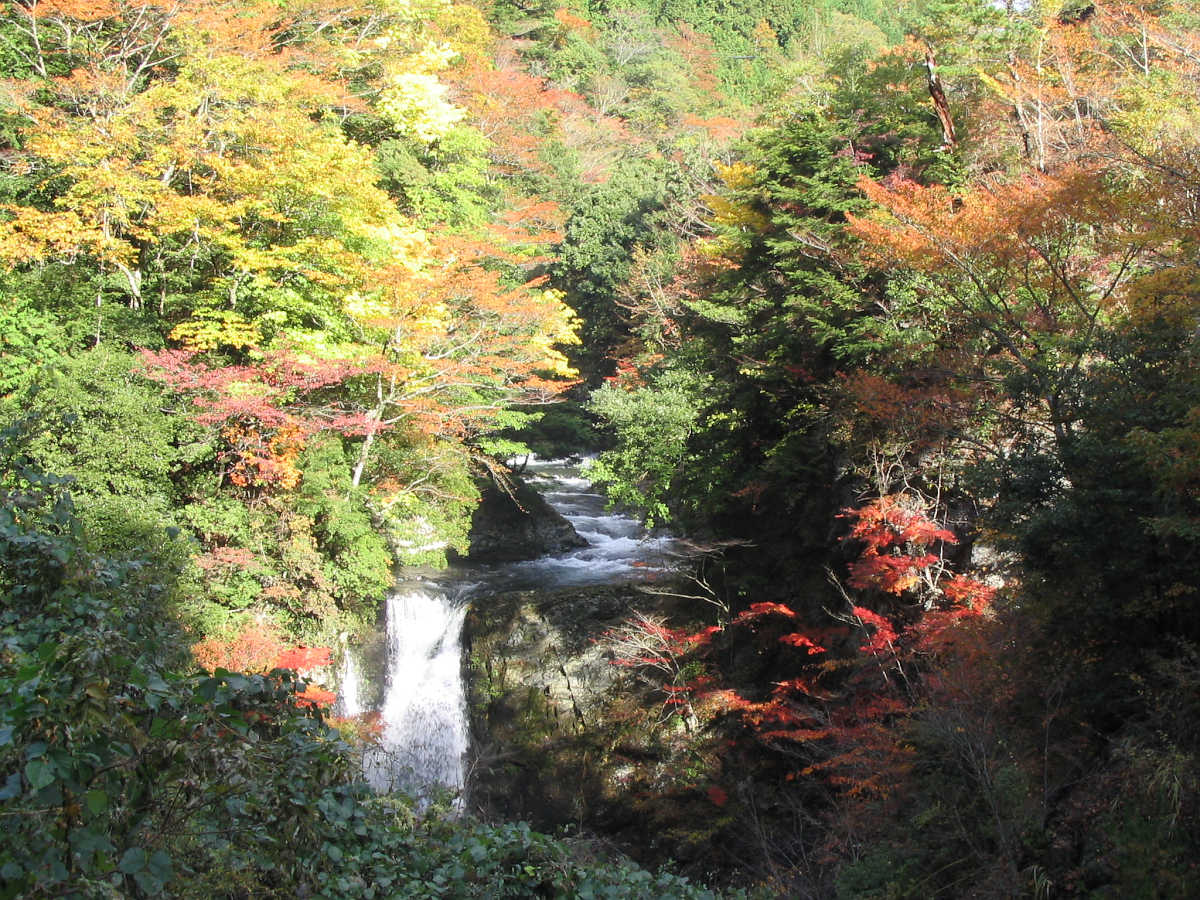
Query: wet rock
(521, 525)
(562, 736)
(539, 680)
(546, 645)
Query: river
(416, 683)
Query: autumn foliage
(917, 352)
(261, 647)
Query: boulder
(507, 527)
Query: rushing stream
(420, 694)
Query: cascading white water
(424, 714)
(618, 548)
(349, 688)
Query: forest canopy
(890, 309)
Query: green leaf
(133, 860)
(11, 871)
(207, 689)
(92, 846)
(164, 728)
(39, 773)
(12, 787)
(237, 682)
(97, 801)
(149, 883)
(160, 866)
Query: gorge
(887, 308)
(422, 700)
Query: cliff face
(561, 736)
(539, 682)
(517, 526)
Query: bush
(123, 773)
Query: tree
(1040, 263)
(652, 425)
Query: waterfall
(424, 713)
(349, 688)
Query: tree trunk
(938, 93)
(365, 451)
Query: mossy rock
(517, 524)
(561, 736)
